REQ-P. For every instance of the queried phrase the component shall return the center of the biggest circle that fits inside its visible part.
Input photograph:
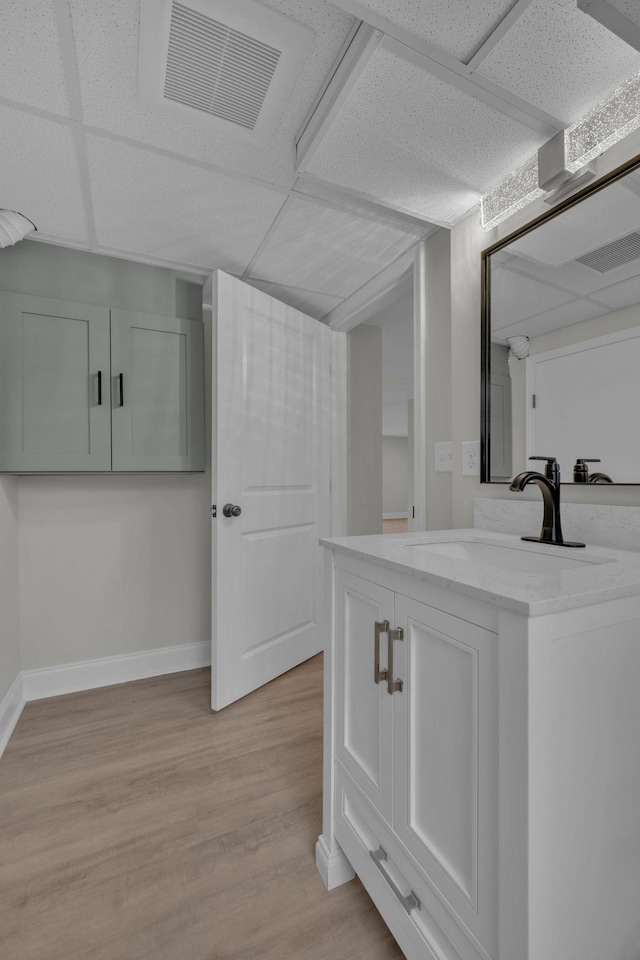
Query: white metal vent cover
(614, 254)
(229, 64)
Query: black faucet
(549, 484)
(581, 472)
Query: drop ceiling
(402, 133)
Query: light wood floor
(137, 825)
(395, 526)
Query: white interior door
(272, 459)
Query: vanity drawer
(415, 914)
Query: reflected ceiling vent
(227, 63)
(614, 254)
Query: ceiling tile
(40, 175)
(560, 60)
(107, 40)
(162, 208)
(417, 142)
(316, 305)
(369, 209)
(30, 56)
(605, 216)
(561, 316)
(619, 295)
(455, 26)
(629, 8)
(318, 248)
(515, 297)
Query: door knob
(231, 510)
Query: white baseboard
(395, 516)
(89, 674)
(10, 710)
(333, 867)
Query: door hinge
(214, 511)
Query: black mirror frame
(485, 295)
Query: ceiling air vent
(614, 254)
(216, 69)
(228, 63)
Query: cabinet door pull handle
(393, 685)
(409, 903)
(381, 626)
(121, 383)
(99, 388)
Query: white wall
(364, 430)
(395, 484)
(9, 585)
(109, 565)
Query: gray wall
(395, 465)
(364, 430)
(9, 585)
(109, 565)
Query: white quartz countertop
(603, 574)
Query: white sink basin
(510, 556)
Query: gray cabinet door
(55, 404)
(157, 381)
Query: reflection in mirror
(570, 285)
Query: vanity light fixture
(614, 118)
(14, 227)
(554, 175)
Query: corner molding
(91, 674)
(333, 866)
(10, 711)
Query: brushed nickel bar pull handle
(121, 381)
(381, 626)
(393, 685)
(99, 388)
(409, 903)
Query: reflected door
(271, 443)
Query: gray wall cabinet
(88, 389)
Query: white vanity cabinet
(481, 763)
(87, 389)
(415, 752)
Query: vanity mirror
(561, 338)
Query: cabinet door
(158, 392)
(54, 386)
(364, 710)
(446, 776)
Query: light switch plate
(471, 458)
(444, 456)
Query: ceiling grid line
(378, 201)
(444, 66)
(142, 145)
(399, 219)
(308, 186)
(247, 271)
(72, 81)
(500, 31)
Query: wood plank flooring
(135, 824)
(395, 526)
